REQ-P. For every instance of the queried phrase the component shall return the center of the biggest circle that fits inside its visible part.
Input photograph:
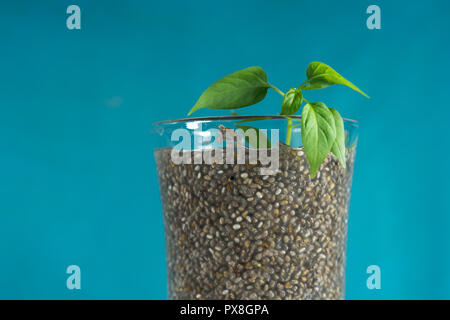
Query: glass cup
(243, 218)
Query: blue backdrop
(77, 179)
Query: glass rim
(239, 117)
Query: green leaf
(318, 134)
(260, 135)
(292, 101)
(237, 90)
(338, 147)
(321, 76)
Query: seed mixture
(232, 233)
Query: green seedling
(322, 128)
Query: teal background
(77, 178)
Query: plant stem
(277, 90)
(304, 82)
(289, 132)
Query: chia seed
(239, 235)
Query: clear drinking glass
(234, 231)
